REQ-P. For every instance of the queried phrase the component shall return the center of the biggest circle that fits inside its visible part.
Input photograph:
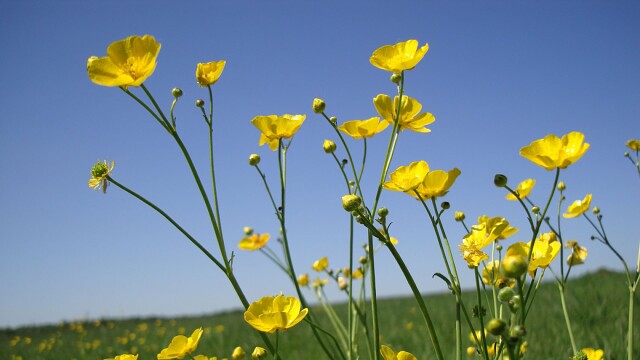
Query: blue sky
(497, 76)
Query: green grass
(598, 305)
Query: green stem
(561, 288)
(630, 325)
(480, 315)
(211, 162)
(155, 116)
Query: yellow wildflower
(578, 207)
(317, 283)
(209, 73)
(436, 183)
(129, 62)
(181, 346)
(359, 129)
(303, 279)
(633, 144)
(552, 152)
(593, 354)
(399, 57)
(320, 265)
(578, 253)
(238, 353)
(545, 249)
(328, 146)
(389, 354)
(274, 128)
(407, 178)
(124, 357)
(523, 189)
(410, 117)
(474, 242)
(254, 242)
(274, 313)
(99, 173)
(497, 226)
(259, 353)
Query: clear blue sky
(497, 76)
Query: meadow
(597, 304)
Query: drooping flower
(399, 57)
(578, 253)
(410, 116)
(523, 189)
(407, 178)
(124, 357)
(497, 226)
(181, 346)
(129, 62)
(99, 173)
(552, 152)
(320, 265)
(209, 73)
(254, 242)
(389, 354)
(578, 207)
(359, 129)
(274, 127)
(633, 144)
(436, 183)
(492, 276)
(274, 313)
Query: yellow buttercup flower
(633, 144)
(552, 152)
(523, 189)
(593, 354)
(578, 253)
(274, 313)
(407, 178)
(410, 116)
(124, 357)
(209, 73)
(359, 129)
(497, 226)
(492, 276)
(317, 283)
(303, 279)
(99, 173)
(320, 265)
(181, 346)
(474, 242)
(545, 249)
(399, 57)
(238, 353)
(389, 354)
(129, 62)
(254, 242)
(436, 183)
(274, 128)
(578, 207)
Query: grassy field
(597, 305)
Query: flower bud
(360, 219)
(333, 119)
(561, 186)
(596, 210)
(329, 146)
(514, 266)
(395, 78)
(626, 154)
(303, 279)
(351, 182)
(496, 326)
(500, 180)
(248, 230)
(342, 283)
(199, 103)
(351, 202)
(383, 212)
(535, 209)
(176, 92)
(318, 106)
(362, 260)
(259, 353)
(445, 205)
(505, 294)
(254, 159)
(459, 216)
(515, 303)
(238, 353)
(499, 247)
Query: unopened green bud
(329, 146)
(562, 186)
(626, 154)
(499, 247)
(318, 106)
(496, 326)
(445, 205)
(515, 303)
(362, 260)
(360, 219)
(259, 353)
(535, 209)
(254, 159)
(596, 210)
(395, 78)
(500, 180)
(248, 230)
(383, 212)
(176, 92)
(580, 356)
(351, 202)
(333, 119)
(505, 294)
(199, 103)
(514, 266)
(518, 331)
(351, 182)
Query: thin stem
(561, 288)
(480, 315)
(155, 116)
(214, 188)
